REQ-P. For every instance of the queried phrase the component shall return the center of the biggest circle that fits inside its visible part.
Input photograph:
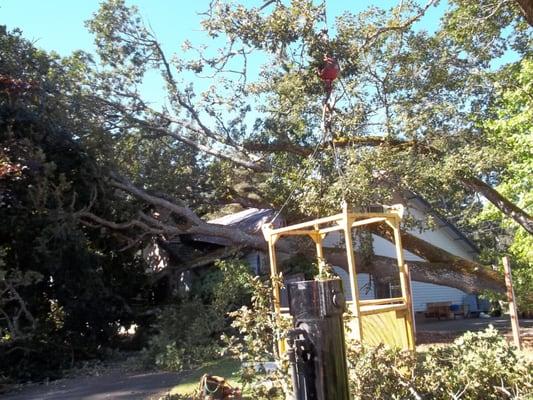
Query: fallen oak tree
(441, 267)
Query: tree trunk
(384, 268)
(504, 205)
(527, 9)
(442, 266)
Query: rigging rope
(326, 134)
(329, 132)
(311, 157)
(328, 73)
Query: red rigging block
(330, 69)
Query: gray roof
(250, 220)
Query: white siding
(384, 248)
(366, 289)
(429, 293)
(440, 237)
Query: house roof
(250, 220)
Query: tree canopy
(406, 116)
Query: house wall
(424, 293)
(366, 289)
(441, 237)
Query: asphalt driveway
(113, 385)
(460, 325)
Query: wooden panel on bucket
(388, 327)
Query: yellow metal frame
(379, 320)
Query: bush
(477, 366)
(188, 332)
(184, 336)
(259, 329)
(380, 372)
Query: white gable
(443, 236)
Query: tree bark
(527, 9)
(503, 204)
(453, 275)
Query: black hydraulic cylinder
(317, 348)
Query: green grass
(224, 367)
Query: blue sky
(58, 25)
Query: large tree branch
(197, 225)
(370, 40)
(502, 203)
(197, 262)
(221, 150)
(470, 182)
(425, 249)
(446, 268)
(88, 218)
(183, 102)
(222, 154)
(278, 147)
(527, 9)
(453, 275)
(441, 274)
(236, 236)
(356, 141)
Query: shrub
(259, 329)
(380, 372)
(188, 332)
(476, 366)
(185, 336)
